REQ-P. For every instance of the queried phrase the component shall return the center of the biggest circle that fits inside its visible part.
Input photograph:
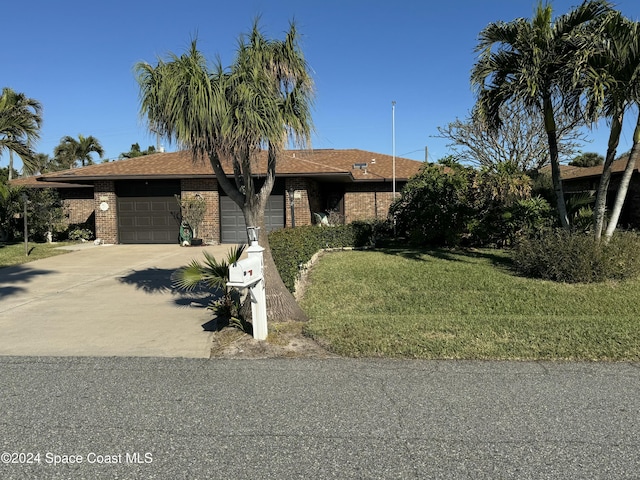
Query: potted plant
(193, 210)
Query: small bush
(576, 257)
(80, 234)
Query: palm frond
(212, 272)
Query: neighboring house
(586, 180)
(133, 200)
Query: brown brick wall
(208, 189)
(77, 204)
(106, 221)
(367, 201)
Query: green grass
(14, 254)
(464, 305)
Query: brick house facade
(351, 184)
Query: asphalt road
(163, 418)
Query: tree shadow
(423, 254)
(150, 280)
(11, 277)
(161, 281)
(497, 258)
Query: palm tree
(41, 163)
(230, 116)
(615, 84)
(20, 122)
(215, 275)
(537, 62)
(625, 180)
(70, 150)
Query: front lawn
(464, 305)
(14, 254)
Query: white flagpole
(393, 144)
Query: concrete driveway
(107, 300)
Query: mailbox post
(249, 273)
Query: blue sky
(77, 58)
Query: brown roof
(351, 165)
(617, 166)
(36, 182)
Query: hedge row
(576, 257)
(293, 247)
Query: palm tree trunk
(600, 208)
(281, 304)
(624, 182)
(10, 165)
(550, 126)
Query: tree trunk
(600, 209)
(281, 304)
(10, 165)
(550, 127)
(624, 182)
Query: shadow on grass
(498, 258)
(12, 277)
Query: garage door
(148, 220)
(232, 226)
(148, 212)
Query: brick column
(104, 195)
(207, 188)
(301, 207)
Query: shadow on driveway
(161, 281)
(11, 277)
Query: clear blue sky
(77, 58)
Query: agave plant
(215, 275)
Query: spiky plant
(214, 274)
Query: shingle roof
(324, 162)
(36, 182)
(617, 166)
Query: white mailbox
(245, 273)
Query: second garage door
(232, 226)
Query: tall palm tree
(230, 116)
(71, 150)
(20, 122)
(634, 53)
(537, 62)
(614, 84)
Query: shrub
(44, 213)
(576, 257)
(80, 234)
(528, 217)
(293, 247)
(456, 205)
(434, 206)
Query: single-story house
(133, 200)
(586, 180)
